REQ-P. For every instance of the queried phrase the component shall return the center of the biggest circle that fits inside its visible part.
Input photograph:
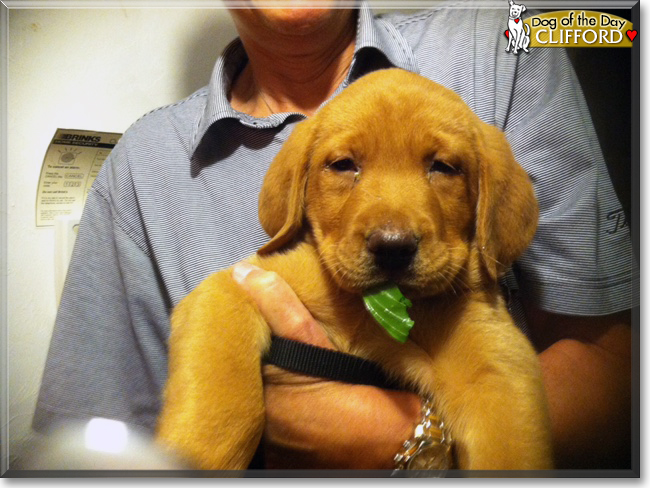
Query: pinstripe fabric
(177, 200)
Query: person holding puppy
(177, 200)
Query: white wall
(97, 69)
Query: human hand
(313, 422)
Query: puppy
(518, 32)
(395, 180)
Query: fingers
(279, 305)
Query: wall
(97, 69)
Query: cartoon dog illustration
(518, 33)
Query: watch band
(430, 448)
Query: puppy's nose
(392, 249)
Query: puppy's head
(396, 179)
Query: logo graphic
(518, 33)
(568, 28)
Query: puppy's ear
(282, 199)
(507, 209)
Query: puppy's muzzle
(393, 250)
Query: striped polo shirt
(177, 200)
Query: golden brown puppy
(396, 179)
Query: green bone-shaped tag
(388, 306)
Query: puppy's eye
(444, 168)
(343, 165)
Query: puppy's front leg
(491, 392)
(213, 412)
(504, 426)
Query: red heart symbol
(631, 34)
(507, 34)
(516, 21)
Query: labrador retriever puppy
(395, 180)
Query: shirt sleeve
(581, 261)
(107, 356)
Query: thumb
(279, 305)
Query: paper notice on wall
(70, 167)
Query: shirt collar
(374, 35)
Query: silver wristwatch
(430, 448)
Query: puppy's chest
(353, 330)
(450, 341)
